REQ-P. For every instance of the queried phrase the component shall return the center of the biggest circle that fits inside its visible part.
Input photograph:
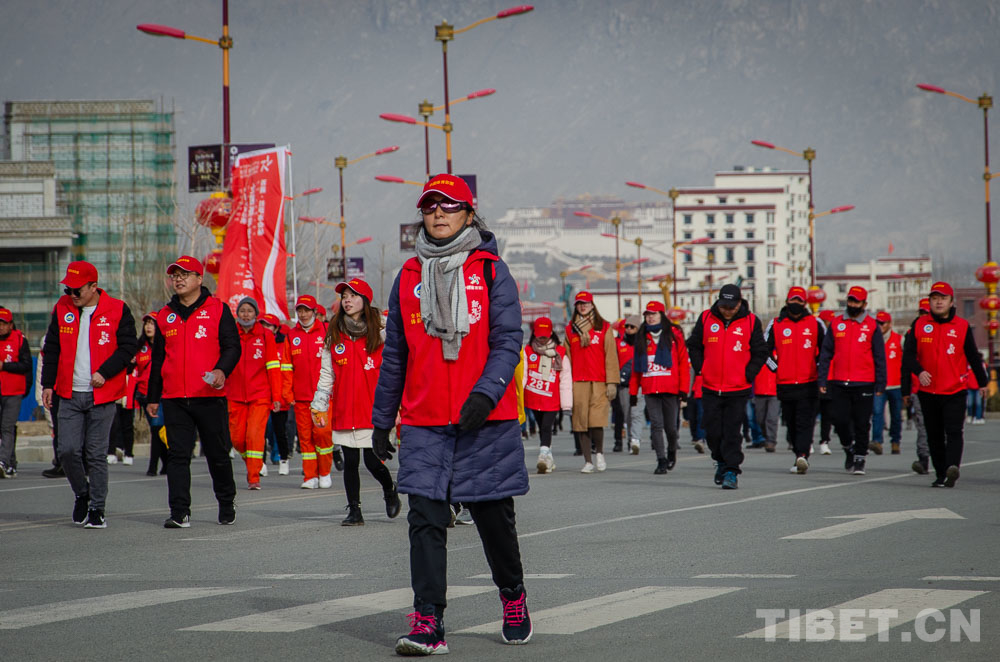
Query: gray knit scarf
(354, 328)
(443, 304)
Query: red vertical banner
(254, 253)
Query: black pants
(663, 411)
(279, 423)
(209, 417)
(352, 477)
(122, 431)
(944, 420)
(617, 418)
(545, 419)
(825, 419)
(723, 418)
(428, 520)
(800, 419)
(852, 414)
(54, 412)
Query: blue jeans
(695, 419)
(974, 403)
(894, 397)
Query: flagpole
(291, 207)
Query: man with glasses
(90, 341)
(197, 346)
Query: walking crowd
(443, 377)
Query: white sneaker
(310, 484)
(588, 468)
(112, 459)
(283, 468)
(128, 460)
(634, 447)
(979, 421)
(968, 419)
(824, 449)
(812, 448)
(801, 465)
(545, 463)
(325, 482)
(234, 454)
(263, 469)
(793, 470)
(599, 459)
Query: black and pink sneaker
(426, 634)
(516, 622)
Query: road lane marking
(959, 578)
(742, 576)
(608, 609)
(870, 521)
(14, 619)
(319, 576)
(542, 575)
(303, 617)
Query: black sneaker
(661, 466)
(392, 502)
(617, 447)
(719, 470)
(849, 458)
(227, 514)
(671, 460)
(5, 471)
(95, 519)
(951, 476)
(859, 466)
(54, 472)
(516, 621)
(920, 465)
(178, 522)
(938, 483)
(426, 634)
(80, 509)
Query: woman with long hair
(139, 380)
(548, 385)
(349, 370)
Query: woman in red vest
(352, 357)
(138, 387)
(547, 380)
(592, 350)
(15, 366)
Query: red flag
(890, 248)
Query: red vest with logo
(658, 378)
(306, 354)
(436, 389)
(541, 392)
(766, 382)
(796, 350)
(192, 349)
(852, 350)
(12, 383)
(727, 352)
(894, 360)
(103, 343)
(588, 362)
(355, 376)
(625, 350)
(137, 381)
(285, 361)
(257, 376)
(941, 352)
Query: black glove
(633, 401)
(381, 445)
(474, 412)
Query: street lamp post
(340, 163)
(673, 194)
(812, 231)
(295, 274)
(639, 261)
(445, 33)
(616, 222)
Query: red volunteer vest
(257, 376)
(12, 383)
(852, 350)
(436, 389)
(355, 376)
(941, 352)
(103, 343)
(796, 349)
(541, 393)
(192, 349)
(727, 352)
(137, 381)
(660, 379)
(306, 354)
(625, 351)
(588, 362)
(766, 382)
(894, 360)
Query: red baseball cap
(925, 305)
(584, 296)
(826, 315)
(796, 293)
(358, 286)
(857, 293)
(883, 316)
(187, 263)
(306, 301)
(270, 319)
(320, 310)
(450, 186)
(542, 327)
(79, 274)
(149, 316)
(6, 315)
(655, 307)
(942, 288)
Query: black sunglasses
(447, 206)
(73, 291)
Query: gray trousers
(10, 405)
(923, 450)
(767, 408)
(83, 433)
(663, 409)
(634, 417)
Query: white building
(894, 284)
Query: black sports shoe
(938, 483)
(661, 467)
(338, 460)
(95, 519)
(719, 470)
(392, 502)
(426, 634)
(54, 472)
(859, 466)
(516, 621)
(951, 476)
(920, 465)
(227, 513)
(671, 460)
(80, 509)
(177, 522)
(849, 458)
(617, 447)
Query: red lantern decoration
(993, 326)
(990, 302)
(676, 314)
(213, 262)
(988, 273)
(213, 212)
(815, 295)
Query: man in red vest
(197, 346)
(893, 395)
(727, 348)
(852, 371)
(939, 350)
(90, 341)
(15, 366)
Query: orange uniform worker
(279, 418)
(306, 340)
(253, 390)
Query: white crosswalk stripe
(306, 575)
(316, 614)
(55, 612)
(605, 610)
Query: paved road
(623, 565)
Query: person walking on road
(727, 348)
(940, 349)
(279, 418)
(547, 383)
(893, 394)
(88, 347)
(453, 341)
(15, 367)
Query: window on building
(687, 235)
(710, 255)
(750, 257)
(770, 269)
(687, 219)
(770, 234)
(687, 257)
(750, 271)
(710, 219)
(750, 234)
(722, 199)
(772, 287)
(770, 218)
(730, 219)
(711, 235)
(770, 251)
(750, 217)
(730, 255)
(842, 287)
(730, 235)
